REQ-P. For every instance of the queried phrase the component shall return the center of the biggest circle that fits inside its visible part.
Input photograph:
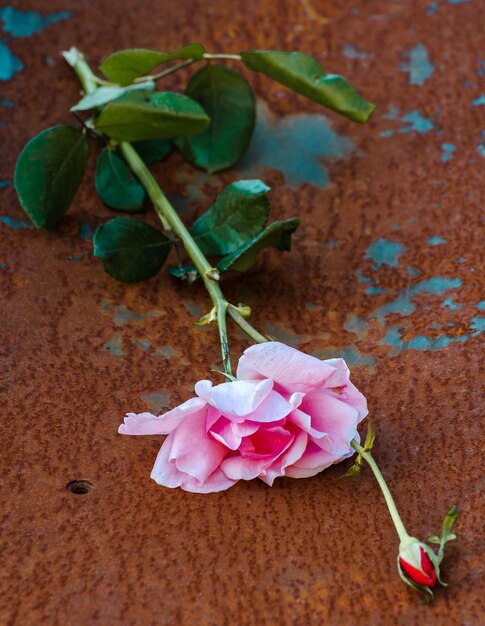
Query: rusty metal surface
(78, 350)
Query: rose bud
(417, 564)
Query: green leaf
(153, 151)
(131, 250)
(144, 114)
(239, 213)
(103, 95)
(229, 102)
(125, 66)
(303, 74)
(116, 185)
(48, 173)
(276, 235)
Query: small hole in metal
(79, 487)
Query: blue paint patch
(385, 252)
(461, 259)
(157, 400)
(481, 305)
(295, 145)
(436, 240)
(449, 303)
(420, 342)
(478, 325)
(142, 344)
(386, 133)
(85, 231)
(411, 271)
(9, 64)
(436, 285)
(480, 101)
(417, 122)
(357, 326)
(481, 149)
(448, 149)
(122, 315)
(352, 53)
(457, 1)
(114, 346)
(352, 356)
(5, 102)
(419, 67)
(12, 223)
(362, 277)
(5, 183)
(481, 69)
(391, 114)
(165, 351)
(26, 23)
(77, 257)
(374, 291)
(432, 8)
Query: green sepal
(124, 66)
(228, 100)
(116, 184)
(48, 173)
(208, 318)
(240, 212)
(303, 74)
(370, 437)
(141, 115)
(130, 249)
(276, 235)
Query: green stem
(245, 325)
(166, 72)
(171, 221)
(233, 57)
(391, 505)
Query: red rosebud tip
(422, 572)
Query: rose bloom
(287, 414)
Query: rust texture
(400, 207)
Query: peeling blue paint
(122, 315)
(362, 277)
(420, 342)
(419, 67)
(391, 114)
(480, 101)
(432, 8)
(114, 346)
(156, 400)
(386, 133)
(5, 183)
(458, 1)
(142, 344)
(481, 305)
(448, 149)
(26, 23)
(357, 326)
(461, 259)
(478, 325)
(277, 141)
(416, 122)
(374, 291)
(165, 351)
(436, 240)
(451, 304)
(353, 53)
(5, 102)
(436, 285)
(13, 223)
(352, 356)
(86, 231)
(385, 252)
(9, 64)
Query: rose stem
(172, 222)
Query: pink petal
(344, 389)
(164, 471)
(239, 468)
(290, 369)
(235, 399)
(272, 409)
(194, 452)
(312, 461)
(223, 431)
(148, 424)
(334, 417)
(217, 481)
(304, 422)
(244, 429)
(291, 456)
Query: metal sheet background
(78, 350)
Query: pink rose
(287, 414)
